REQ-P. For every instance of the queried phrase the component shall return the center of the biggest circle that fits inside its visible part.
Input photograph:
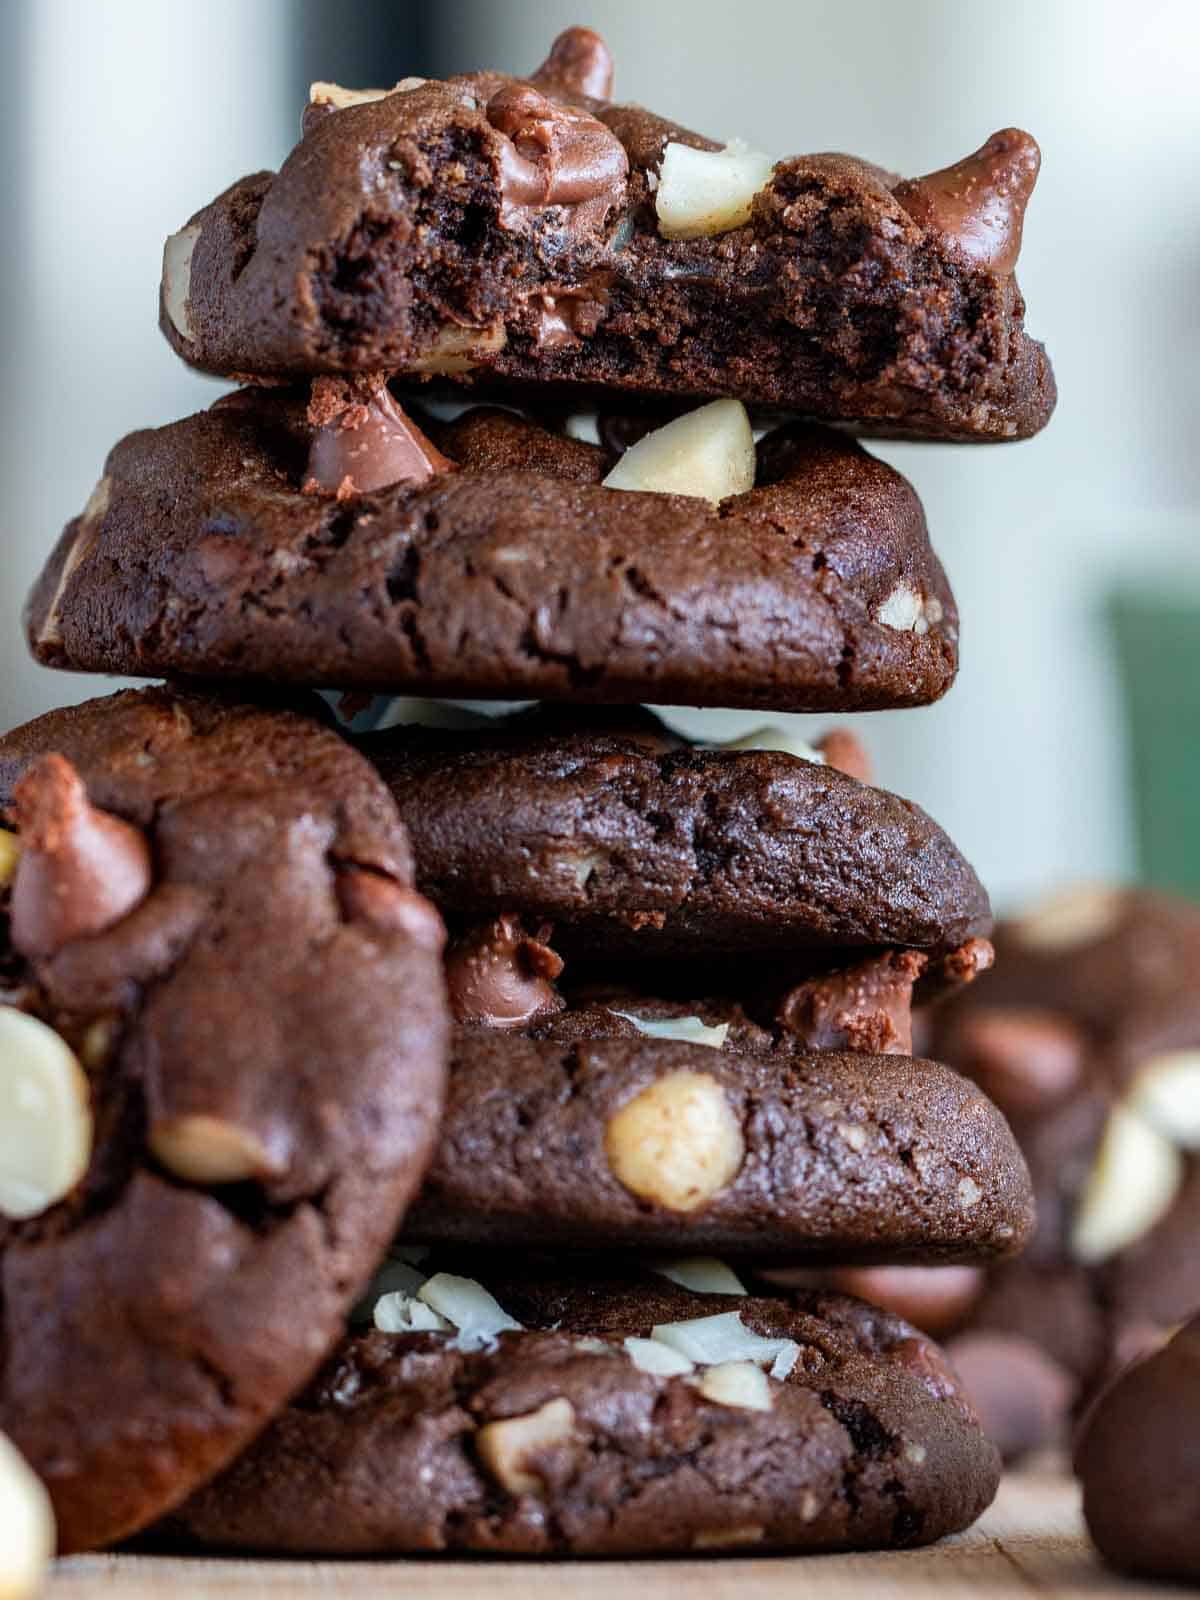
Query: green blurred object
(1158, 646)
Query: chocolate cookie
(243, 543)
(635, 851)
(1139, 1461)
(1087, 1036)
(569, 1417)
(667, 1143)
(222, 1058)
(532, 231)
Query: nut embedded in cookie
(45, 1116)
(677, 1143)
(510, 1448)
(708, 453)
(703, 192)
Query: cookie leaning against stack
(680, 979)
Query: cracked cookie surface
(262, 1042)
(511, 573)
(636, 845)
(552, 1440)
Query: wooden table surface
(1030, 1542)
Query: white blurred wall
(130, 115)
(135, 111)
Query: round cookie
(490, 227)
(635, 851)
(1138, 1457)
(1087, 1036)
(656, 1144)
(490, 562)
(215, 969)
(554, 1438)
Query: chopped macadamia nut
(658, 1359)
(677, 1143)
(702, 192)
(1166, 1092)
(509, 1448)
(203, 1149)
(1133, 1183)
(700, 1274)
(475, 1313)
(737, 1383)
(1068, 918)
(711, 1341)
(707, 453)
(687, 1030)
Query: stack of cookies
(528, 388)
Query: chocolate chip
(579, 62)
(364, 441)
(979, 203)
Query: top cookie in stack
(529, 389)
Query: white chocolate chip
(773, 738)
(203, 1149)
(712, 1341)
(658, 1359)
(915, 1453)
(177, 278)
(677, 1143)
(809, 1506)
(707, 453)
(1070, 917)
(1133, 1183)
(1166, 1092)
(455, 349)
(399, 1312)
(730, 1538)
(700, 1274)
(686, 1030)
(737, 1383)
(45, 1116)
(476, 1314)
(905, 610)
(856, 1137)
(27, 1533)
(10, 854)
(969, 1193)
(505, 1447)
(703, 192)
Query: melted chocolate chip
(866, 1008)
(364, 441)
(500, 976)
(554, 155)
(564, 316)
(979, 203)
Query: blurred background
(1071, 744)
